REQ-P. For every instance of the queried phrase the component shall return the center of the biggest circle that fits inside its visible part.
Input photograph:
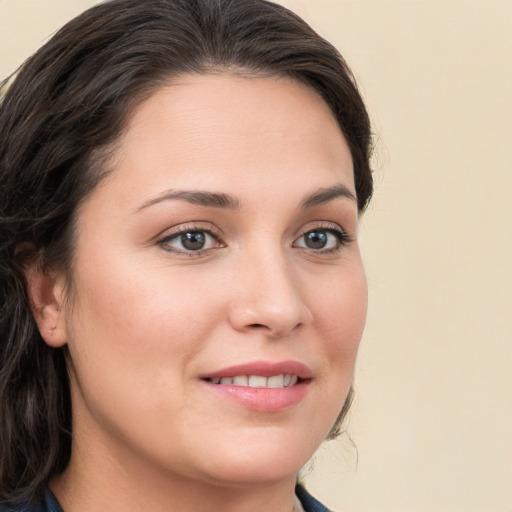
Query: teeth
(257, 381)
(241, 380)
(276, 381)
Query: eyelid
(190, 226)
(332, 227)
(207, 227)
(323, 225)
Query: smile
(261, 385)
(257, 381)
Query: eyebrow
(212, 199)
(221, 200)
(324, 195)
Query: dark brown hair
(59, 117)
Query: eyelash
(341, 236)
(182, 230)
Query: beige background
(433, 416)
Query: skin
(147, 318)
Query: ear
(46, 290)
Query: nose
(268, 299)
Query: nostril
(268, 318)
(276, 332)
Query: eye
(190, 241)
(322, 239)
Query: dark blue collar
(309, 503)
(51, 504)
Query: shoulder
(309, 503)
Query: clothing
(51, 504)
(309, 503)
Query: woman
(182, 289)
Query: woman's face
(222, 246)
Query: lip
(265, 369)
(262, 399)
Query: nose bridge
(268, 295)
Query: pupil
(316, 239)
(193, 240)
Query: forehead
(235, 132)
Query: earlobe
(46, 293)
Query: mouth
(257, 381)
(262, 386)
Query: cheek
(133, 295)
(133, 320)
(343, 306)
(341, 316)
(132, 334)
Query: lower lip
(262, 399)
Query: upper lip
(264, 369)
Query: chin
(261, 459)
(249, 475)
